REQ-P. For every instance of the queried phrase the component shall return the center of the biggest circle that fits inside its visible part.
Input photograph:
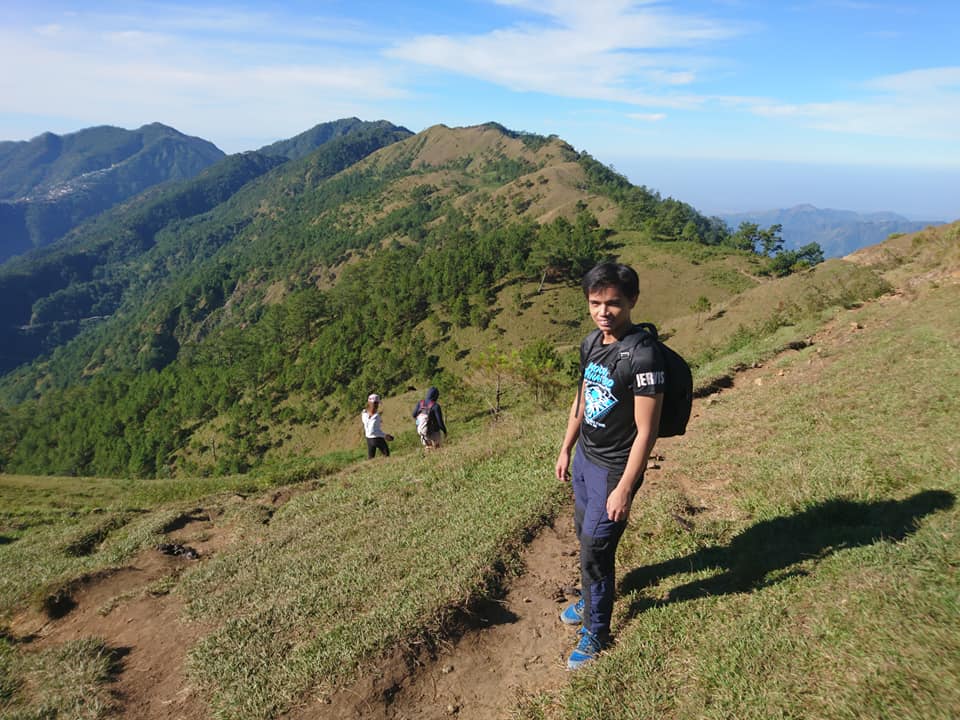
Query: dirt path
(516, 647)
(128, 608)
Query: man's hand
(618, 504)
(563, 465)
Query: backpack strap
(650, 328)
(641, 334)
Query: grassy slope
(376, 558)
(819, 579)
(379, 555)
(55, 529)
(556, 314)
(803, 590)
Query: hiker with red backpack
(614, 422)
(429, 419)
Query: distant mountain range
(49, 293)
(51, 183)
(838, 232)
(163, 334)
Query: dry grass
(795, 557)
(814, 573)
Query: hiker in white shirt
(372, 429)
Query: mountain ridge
(306, 142)
(51, 183)
(83, 260)
(349, 267)
(838, 232)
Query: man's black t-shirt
(613, 374)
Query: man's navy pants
(598, 537)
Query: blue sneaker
(586, 650)
(573, 613)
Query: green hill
(306, 142)
(190, 339)
(794, 555)
(52, 183)
(48, 296)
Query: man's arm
(646, 415)
(570, 435)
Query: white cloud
(134, 71)
(918, 104)
(916, 83)
(51, 30)
(647, 117)
(607, 50)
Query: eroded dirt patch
(513, 647)
(132, 610)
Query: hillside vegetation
(229, 321)
(51, 183)
(794, 556)
(107, 269)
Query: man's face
(610, 310)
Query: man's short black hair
(610, 274)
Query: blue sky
(729, 105)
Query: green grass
(820, 580)
(73, 681)
(379, 557)
(813, 575)
(55, 529)
(383, 553)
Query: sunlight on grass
(795, 556)
(834, 594)
(379, 556)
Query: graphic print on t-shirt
(598, 397)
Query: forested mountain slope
(375, 261)
(51, 183)
(47, 296)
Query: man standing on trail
(613, 421)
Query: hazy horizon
(720, 187)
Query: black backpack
(678, 392)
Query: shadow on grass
(763, 554)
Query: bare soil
(128, 608)
(512, 648)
